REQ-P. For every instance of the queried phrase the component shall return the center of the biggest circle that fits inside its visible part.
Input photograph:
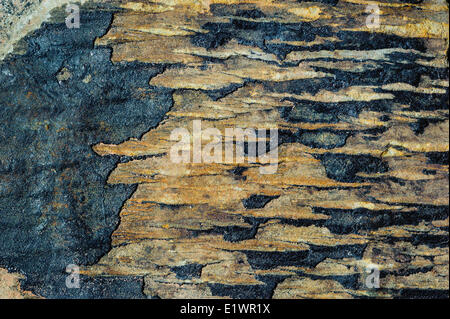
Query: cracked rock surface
(362, 168)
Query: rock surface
(362, 169)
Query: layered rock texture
(362, 167)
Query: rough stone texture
(19, 17)
(10, 286)
(363, 151)
(58, 99)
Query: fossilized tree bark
(327, 217)
(362, 173)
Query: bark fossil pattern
(363, 150)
